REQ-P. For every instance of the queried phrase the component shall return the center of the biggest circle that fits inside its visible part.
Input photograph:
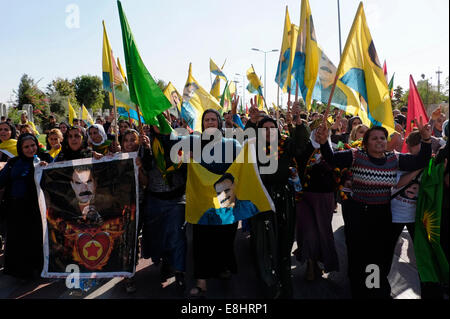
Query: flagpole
(115, 111)
(279, 80)
(346, 48)
(265, 104)
(289, 100)
(141, 129)
(339, 25)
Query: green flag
(225, 100)
(391, 86)
(144, 91)
(431, 261)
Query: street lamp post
(265, 53)
(243, 87)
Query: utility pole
(438, 72)
(339, 24)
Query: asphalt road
(244, 285)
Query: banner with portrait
(238, 194)
(89, 211)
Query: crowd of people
(323, 160)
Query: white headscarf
(101, 131)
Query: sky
(45, 40)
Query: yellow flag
(215, 89)
(360, 69)
(121, 71)
(293, 33)
(232, 87)
(85, 116)
(206, 201)
(195, 101)
(173, 96)
(72, 113)
(285, 54)
(254, 85)
(307, 44)
(214, 69)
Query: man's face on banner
(83, 185)
(175, 98)
(225, 193)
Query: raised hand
(288, 118)
(424, 129)
(436, 113)
(321, 136)
(234, 104)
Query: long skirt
(368, 231)
(272, 237)
(315, 237)
(213, 250)
(23, 249)
(163, 232)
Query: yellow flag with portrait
(213, 199)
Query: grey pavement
(244, 285)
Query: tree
(397, 98)
(89, 91)
(58, 92)
(25, 89)
(29, 93)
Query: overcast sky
(41, 39)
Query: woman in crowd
(404, 195)
(123, 126)
(54, 139)
(63, 127)
(164, 237)
(8, 143)
(357, 133)
(368, 225)
(73, 146)
(23, 249)
(131, 142)
(341, 134)
(315, 210)
(213, 245)
(277, 229)
(98, 141)
(26, 128)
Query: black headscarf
(219, 119)
(12, 128)
(266, 119)
(27, 136)
(67, 153)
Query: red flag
(415, 110)
(385, 71)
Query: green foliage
(428, 93)
(13, 114)
(25, 88)
(89, 91)
(58, 92)
(397, 101)
(29, 93)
